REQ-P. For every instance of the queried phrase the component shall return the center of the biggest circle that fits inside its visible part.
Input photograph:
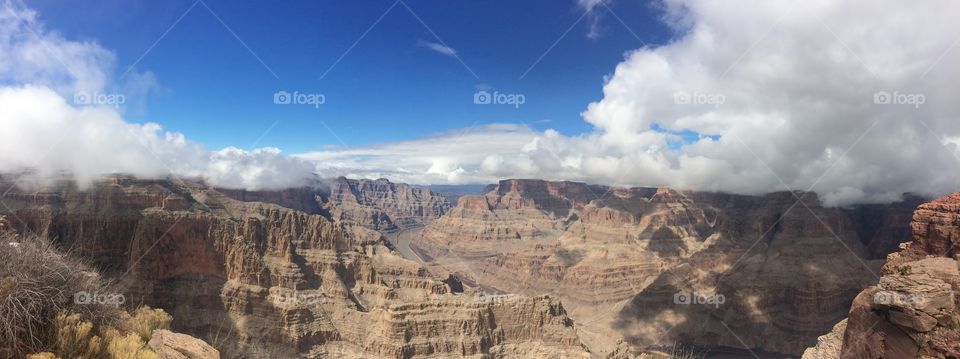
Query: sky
(854, 100)
(403, 79)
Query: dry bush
(78, 339)
(37, 282)
(129, 347)
(146, 320)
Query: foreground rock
(913, 310)
(655, 266)
(258, 280)
(170, 345)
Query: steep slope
(259, 280)
(620, 258)
(913, 310)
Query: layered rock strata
(786, 267)
(258, 280)
(382, 205)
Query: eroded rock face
(786, 267)
(913, 310)
(383, 205)
(258, 280)
(936, 227)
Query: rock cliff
(619, 258)
(913, 310)
(383, 205)
(259, 280)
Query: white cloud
(798, 81)
(439, 48)
(787, 86)
(784, 87)
(451, 157)
(44, 131)
(593, 17)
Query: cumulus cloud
(854, 100)
(61, 114)
(851, 99)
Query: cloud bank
(61, 114)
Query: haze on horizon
(854, 100)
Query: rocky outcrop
(170, 345)
(913, 310)
(259, 280)
(828, 345)
(936, 227)
(786, 267)
(382, 205)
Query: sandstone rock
(828, 345)
(617, 256)
(383, 205)
(936, 226)
(259, 280)
(913, 312)
(170, 345)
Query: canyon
(527, 268)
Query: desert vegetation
(41, 315)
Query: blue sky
(389, 87)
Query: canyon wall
(382, 205)
(259, 280)
(623, 259)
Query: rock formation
(382, 205)
(913, 311)
(307, 272)
(170, 345)
(259, 280)
(786, 270)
